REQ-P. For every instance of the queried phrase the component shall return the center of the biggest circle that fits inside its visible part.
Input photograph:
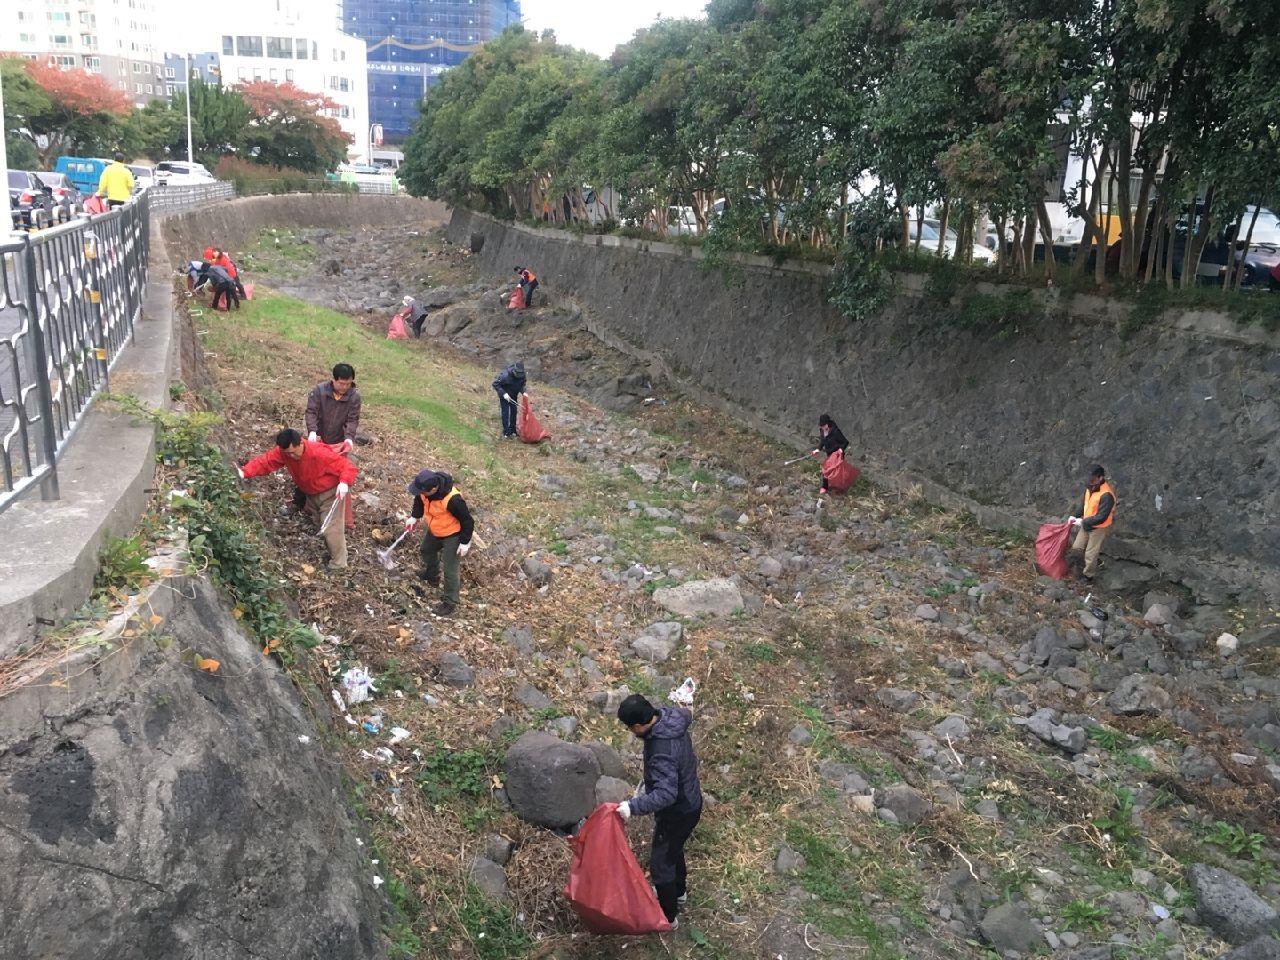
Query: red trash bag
(1051, 549)
(397, 331)
(528, 429)
(517, 299)
(607, 889)
(839, 474)
(94, 204)
(248, 291)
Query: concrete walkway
(51, 547)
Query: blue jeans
(508, 411)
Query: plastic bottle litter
(358, 685)
(338, 701)
(373, 725)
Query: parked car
(1260, 259)
(143, 176)
(180, 173)
(84, 172)
(64, 193)
(929, 243)
(30, 205)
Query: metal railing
(171, 199)
(69, 299)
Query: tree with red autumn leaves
(289, 128)
(62, 111)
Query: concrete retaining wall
(1185, 415)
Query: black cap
(427, 480)
(1097, 471)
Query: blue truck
(82, 171)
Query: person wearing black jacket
(438, 504)
(224, 288)
(509, 384)
(672, 793)
(830, 439)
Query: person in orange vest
(528, 284)
(1097, 514)
(438, 504)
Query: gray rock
(611, 764)
(1197, 766)
(550, 783)
(1159, 615)
(988, 809)
(769, 567)
(1226, 905)
(521, 638)
(454, 671)
(844, 776)
(954, 727)
(787, 861)
(563, 727)
(489, 878)
(647, 472)
(538, 572)
(1008, 927)
(1073, 678)
(899, 701)
(652, 649)
(719, 598)
(906, 803)
(927, 612)
(1259, 948)
(1138, 694)
(1043, 723)
(497, 848)
(613, 790)
(532, 698)
(800, 735)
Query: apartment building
(206, 66)
(114, 38)
(412, 42)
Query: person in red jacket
(220, 259)
(320, 473)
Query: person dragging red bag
(672, 794)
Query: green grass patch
(446, 775)
(492, 928)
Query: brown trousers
(335, 533)
(1089, 542)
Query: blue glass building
(411, 42)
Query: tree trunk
(1124, 169)
(942, 227)
(1029, 240)
(1002, 259)
(1093, 238)
(1244, 252)
(1195, 245)
(1046, 230)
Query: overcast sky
(599, 27)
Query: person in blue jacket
(509, 384)
(672, 793)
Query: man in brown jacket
(333, 417)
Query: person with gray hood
(672, 793)
(509, 384)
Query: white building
(115, 38)
(299, 45)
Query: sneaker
(675, 924)
(445, 609)
(682, 899)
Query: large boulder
(1260, 948)
(549, 782)
(154, 788)
(1008, 927)
(718, 598)
(1227, 906)
(1137, 694)
(907, 804)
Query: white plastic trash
(683, 694)
(358, 685)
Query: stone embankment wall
(1185, 414)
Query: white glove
(343, 490)
(347, 446)
(814, 453)
(507, 397)
(312, 436)
(463, 549)
(410, 524)
(624, 810)
(239, 472)
(1077, 522)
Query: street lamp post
(191, 156)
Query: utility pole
(191, 155)
(4, 161)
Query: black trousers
(226, 292)
(667, 868)
(528, 292)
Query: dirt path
(868, 725)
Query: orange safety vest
(440, 521)
(528, 276)
(1091, 500)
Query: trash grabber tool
(796, 460)
(337, 502)
(384, 556)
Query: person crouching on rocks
(439, 504)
